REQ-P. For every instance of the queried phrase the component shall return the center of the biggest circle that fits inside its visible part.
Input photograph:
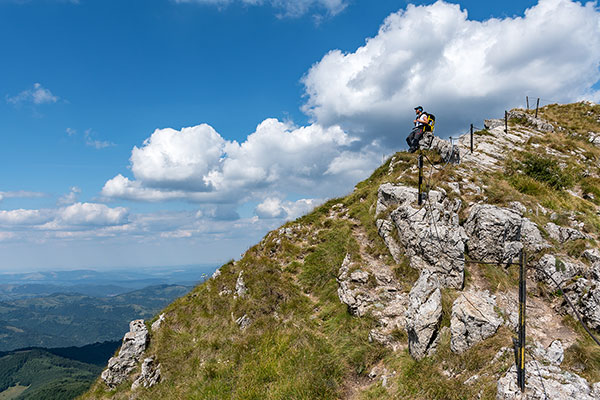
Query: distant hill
(60, 373)
(62, 320)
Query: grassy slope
(303, 344)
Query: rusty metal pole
(527, 98)
(537, 106)
(505, 121)
(420, 199)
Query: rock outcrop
(563, 234)
(423, 316)
(473, 320)
(494, 233)
(431, 235)
(545, 382)
(149, 376)
(134, 344)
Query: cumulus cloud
(23, 217)
(71, 197)
(36, 95)
(459, 69)
(197, 164)
(91, 214)
(290, 8)
(273, 207)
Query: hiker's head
(418, 109)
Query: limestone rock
(473, 320)
(494, 233)
(450, 153)
(423, 316)
(243, 322)
(431, 235)
(531, 236)
(240, 287)
(538, 123)
(592, 255)
(544, 382)
(561, 270)
(156, 324)
(149, 376)
(134, 344)
(394, 195)
(385, 229)
(563, 234)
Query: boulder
(531, 236)
(450, 153)
(473, 319)
(563, 234)
(240, 287)
(432, 237)
(494, 233)
(592, 255)
(537, 123)
(134, 344)
(156, 324)
(394, 195)
(544, 382)
(149, 376)
(554, 354)
(423, 316)
(385, 228)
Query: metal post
(527, 98)
(471, 138)
(522, 304)
(420, 199)
(537, 106)
(505, 121)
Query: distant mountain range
(60, 320)
(14, 286)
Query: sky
(175, 132)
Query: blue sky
(297, 107)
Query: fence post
(522, 305)
(537, 106)
(471, 138)
(527, 98)
(505, 121)
(420, 198)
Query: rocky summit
(378, 295)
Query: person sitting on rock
(421, 121)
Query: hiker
(421, 124)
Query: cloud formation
(459, 69)
(36, 95)
(273, 207)
(199, 165)
(290, 8)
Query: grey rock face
(563, 234)
(544, 382)
(592, 255)
(243, 322)
(443, 147)
(538, 123)
(149, 376)
(473, 320)
(554, 354)
(561, 270)
(385, 228)
(431, 236)
(494, 233)
(531, 236)
(134, 344)
(240, 287)
(423, 316)
(394, 195)
(157, 324)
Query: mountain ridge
(371, 296)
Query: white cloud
(71, 131)
(291, 8)
(36, 95)
(91, 214)
(197, 164)
(71, 197)
(20, 194)
(91, 142)
(22, 217)
(460, 70)
(273, 207)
